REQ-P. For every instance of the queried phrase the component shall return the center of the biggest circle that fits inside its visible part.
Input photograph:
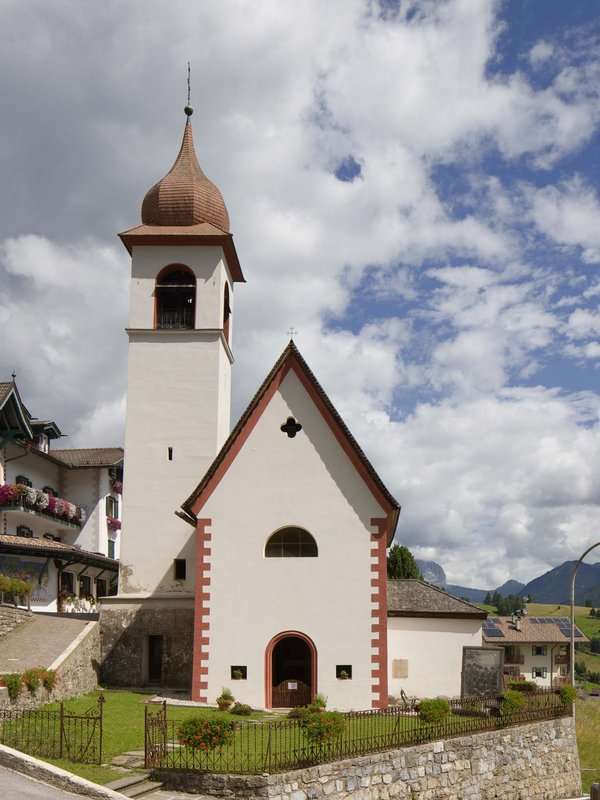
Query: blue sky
(414, 187)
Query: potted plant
(237, 674)
(225, 700)
(344, 676)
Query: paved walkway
(38, 642)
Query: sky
(414, 187)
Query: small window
(66, 581)
(170, 453)
(291, 543)
(239, 673)
(111, 548)
(85, 586)
(179, 569)
(23, 480)
(343, 672)
(112, 506)
(539, 650)
(23, 530)
(50, 490)
(539, 672)
(101, 588)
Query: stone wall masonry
(538, 761)
(77, 670)
(11, 617)
(125, 632)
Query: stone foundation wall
(530, 762)
(11, 617)
(125, 632)
(77, 669)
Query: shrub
(49, 678)
(14, 684)
(300, 712)
(322, 728)
(32, 679)
(226, 694)
(523, 686)
(512, 702)
(567, 694)
(205, 733)
(435, 711)
(318, 703)
(242, 709)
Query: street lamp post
(572, 646)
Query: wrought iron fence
(55, 734)
(256, 747)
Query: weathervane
(188, 109)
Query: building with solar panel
(535, 648)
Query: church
(252, 558)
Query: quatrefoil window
(290, 427)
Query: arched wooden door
(290, 670)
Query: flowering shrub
(117, 487)
(15, 586)
(30, 496)
(113, 524)
(323, 727)
(205, 733)
(32, 679)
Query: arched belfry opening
(175, 297)
(226, 312)
(290, 670)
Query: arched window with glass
(175, 295)
(291, 542)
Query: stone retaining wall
(530, 762)
(77, 670)
(11, 617)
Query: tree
(401, 563)
(488, 599)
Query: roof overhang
(70, 557)
(203, 235)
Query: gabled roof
(414, 598)
(89, 456)
(530, 630)
(291, 359)
(15, 419)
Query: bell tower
(183, 269)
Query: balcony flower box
(18, 497)
(113, 524)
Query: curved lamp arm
(572, 647)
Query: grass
(587, 723)
(123, 728)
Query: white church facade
(271, 577)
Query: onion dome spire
(185, 196)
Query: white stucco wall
(307, 481)
(433, 648)
(178, 396)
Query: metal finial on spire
(188, 109)
(14, 375)
(292, 332)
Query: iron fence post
(62, 730)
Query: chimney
(518, 624)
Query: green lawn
(587, 723)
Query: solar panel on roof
(535, 620)
(494, 632)
(495, 620)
